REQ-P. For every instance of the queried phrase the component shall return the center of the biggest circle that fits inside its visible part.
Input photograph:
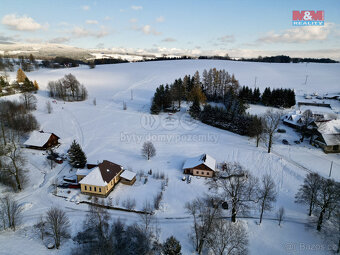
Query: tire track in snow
(76, 124)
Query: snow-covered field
(106, 131)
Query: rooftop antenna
(255, 81)
(306, 79)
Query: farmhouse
(41, 140)
(81, 173)
(294, 120)
(102, 179)
(203, 165)
(328, 136)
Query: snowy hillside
(107, 132)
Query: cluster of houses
(100, 179)
(323, 127)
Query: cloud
(85, 7)
(23, 23)
(100, 46)
(133, 20)
(146, 29)
(299, 34)
(33, 40)
(91, 21)
(169, 39)
(160, 19)
(59, 40)
(136, 8)
(7, 39)
(107, 18)
(82, 32)
(226, 39)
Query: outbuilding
(128, 177)
(41, 140)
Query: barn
(203, 165)
(41, 140)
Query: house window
(90, 188)
(100, 189)
(202, 172)
(207, 173)
(197, 172)
(95, 189)
(85, 187)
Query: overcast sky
(193, 25)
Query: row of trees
(26, 63)
(103, 236)
(22, 84)
(322, 196)
(275, 97)
(67, 88)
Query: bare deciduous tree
(10, 212)
(271, 121)
(327, 197)
(256, 130)
(267, 195)
(29, 101)
(148, 150)
(14, 169)
(308, 191)
(228, 238)
(57, 225)
(280, 215)
(238, 186)
(307, 118)
(98, 219)
(147, 217)
(40, 226)
(204, 211)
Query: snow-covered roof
(94, 178)
(128, 175)
(38, 139)
(329, 127)
(320, 110)
(83, 171)
(331, 139)
(202, 159)
(102, 174)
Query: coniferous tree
(36, 86)
(21, 76)
(77, 157)
(266, 96)
(27, 86)
(172, 246)
(256, 95)
(195, 109)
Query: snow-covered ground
(106, 131)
